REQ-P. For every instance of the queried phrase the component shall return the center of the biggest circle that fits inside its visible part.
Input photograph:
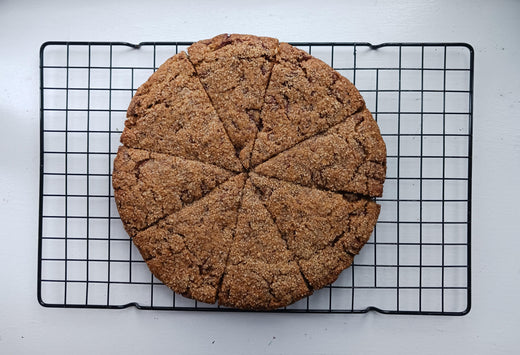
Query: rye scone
(248, 172)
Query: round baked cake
(247, 172)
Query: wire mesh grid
(418, 259)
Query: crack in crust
(261, 272)
(284, 238)
(260, 125)
(226, 266)
(322, 228)
(349, 156)
(252, 193)
(234, 71)
(188, 249)
(149, 186)
(171, 113)
(298, 103)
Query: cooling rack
(418, 260)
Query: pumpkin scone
(248, 173)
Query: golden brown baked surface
(347, 157)
(235, 71)
(171, 113)
(247, 172)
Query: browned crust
(234, 71)
(305, 212)
(236, 45)
(261, 272)
(148, 186)
(350, 157)
(172, 114)
(305, 97)
(323, 229)
(188, 250)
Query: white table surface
(492, 326)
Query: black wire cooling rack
(418, 260)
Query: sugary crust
(261, 272)
(188, 250)
(247, 171)
(148, 186)
(305, 97)
(350, 157)
(234, 70)
(172, 114)
(323, 229)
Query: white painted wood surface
(492, 326)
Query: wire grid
(418, 259)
